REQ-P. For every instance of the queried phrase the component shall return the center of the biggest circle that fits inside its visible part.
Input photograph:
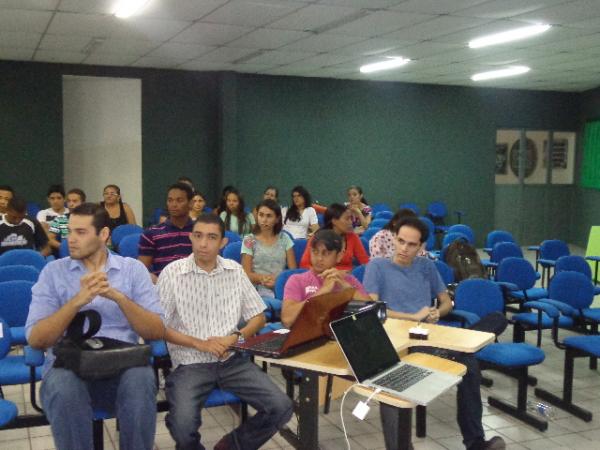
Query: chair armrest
(466, 318)
(547, 262)
(159, 348)
(533, 248)
(567, 310)
(508, 286)
(593, 258)
(550, 310)
(33, 356)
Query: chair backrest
(33, 208)
(129, 246)
(123, 230)
(573, 263)
(479, 296)
(25, 257)
(431, 226)
(573, 288)
(282, 279)
(437, 210)
(365, 243)
(15, 298)
(6, 339)
(497, 236)
(19, 272)
(232, 236)
(378, 223)
(445, 271)
(412, 206)
(464, 229)
(449, 238)
(359, 272)
(63, 250)
(384, 215)
(553, 249)
(504, 250)
(321, 219)
(377, 207)
(233, 250)
(299, 247)
(155, 217)
(518, 271)
(370, 232)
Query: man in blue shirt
(407, 284)
(121, 290)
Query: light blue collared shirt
(59, 282)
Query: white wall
(102, 134)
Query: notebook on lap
(375, 363)
(310, 329)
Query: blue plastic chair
(430, 245)
(282, 279)
(365, 243)
(517, 278)
(438, 211)
(464, 229)
(23, 257)
(359, 272)
(15, 298)
(384, 215)
(156, 214)
(500, 251)
(496, 236)
(320, 219)
(445, 272)
(449, 238)
(33, 209)
(378, 207)
(483, 297)
(124, 230)
(8, 412)
(299, 248)
(129, 246)
(412, 206)
(63, 250)
(378, 223)
(232, 236)
(19, 272)
(370, 232)
(550, 251)
(233, 250)
(576, 264)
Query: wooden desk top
(329, 359)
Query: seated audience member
(383, 243)
(187, 181)
(120, 290)
(168, 241)
(59, 227)
(120, 213)
(222, 205)
(234, 216)
(267, 251)
(337, 218)
(322, 278)
(19, 231)
(198, 205)
(205, 297)
(300, 219)
(270, 193)
(6, 193)
(361, 211)
(56, 200)
(407, 283)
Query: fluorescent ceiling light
(391, 63)
(508, 36)
(126, 8)
(509, 72)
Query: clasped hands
(96, 283)
(428, 314)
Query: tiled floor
(564, 431)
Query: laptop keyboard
(272, 345)
(402, 378)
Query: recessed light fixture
(508, 36)
(127, 8)
(391, 63)
(508, 72)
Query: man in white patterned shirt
(205, 297)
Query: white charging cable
(361, 410)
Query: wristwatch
(240, 336)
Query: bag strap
(76, 327)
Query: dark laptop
(310, 329)
(375, 362)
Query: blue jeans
(69, 402)
(468, 401)
(188, 387)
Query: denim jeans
(188, 387)
(69, 402)
(468, 400)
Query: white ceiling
(315, 38)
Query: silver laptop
(376, 364)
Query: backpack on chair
(464, 260)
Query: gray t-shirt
(404, 289)
(267, 259)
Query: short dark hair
(56, 188)
(272, 188)
(17, 204)
(416, 223)
(211, 218)
(6, 187)
(273, 206)
(100, 217)
(334, 211)
(189, 192)
(403, 213)
(79, 192)
(329, 238)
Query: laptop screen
(365, 343)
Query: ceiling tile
(252, 68)
(57, 56)
(206, 66)
(286, 70)
(161, 63)
(44, 5)
(439, 26)
(93, 25)
(110, 59)
(181, 9)
(71, 43)
(211, 33)
(226, 54)
(435, 6)
(361, 3)
(252, 13)
(267, 38)
(373, 46)
(323, 60)
(505, 9)
(151, 29)
(313, 17)
(19, 39)
(378, 23)
(88, 6)
(323, 43)
(16, 54)
(127, 47)
(179, 50)
(426, 49)
(564, 13)
(274, 58)
(22, 20)
(463, 37)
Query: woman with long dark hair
(234, 216)
(300, 219)
(359, 209)
(120, 213)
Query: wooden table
(329, 360)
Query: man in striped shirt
(169, 241)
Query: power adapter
(361, 410)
